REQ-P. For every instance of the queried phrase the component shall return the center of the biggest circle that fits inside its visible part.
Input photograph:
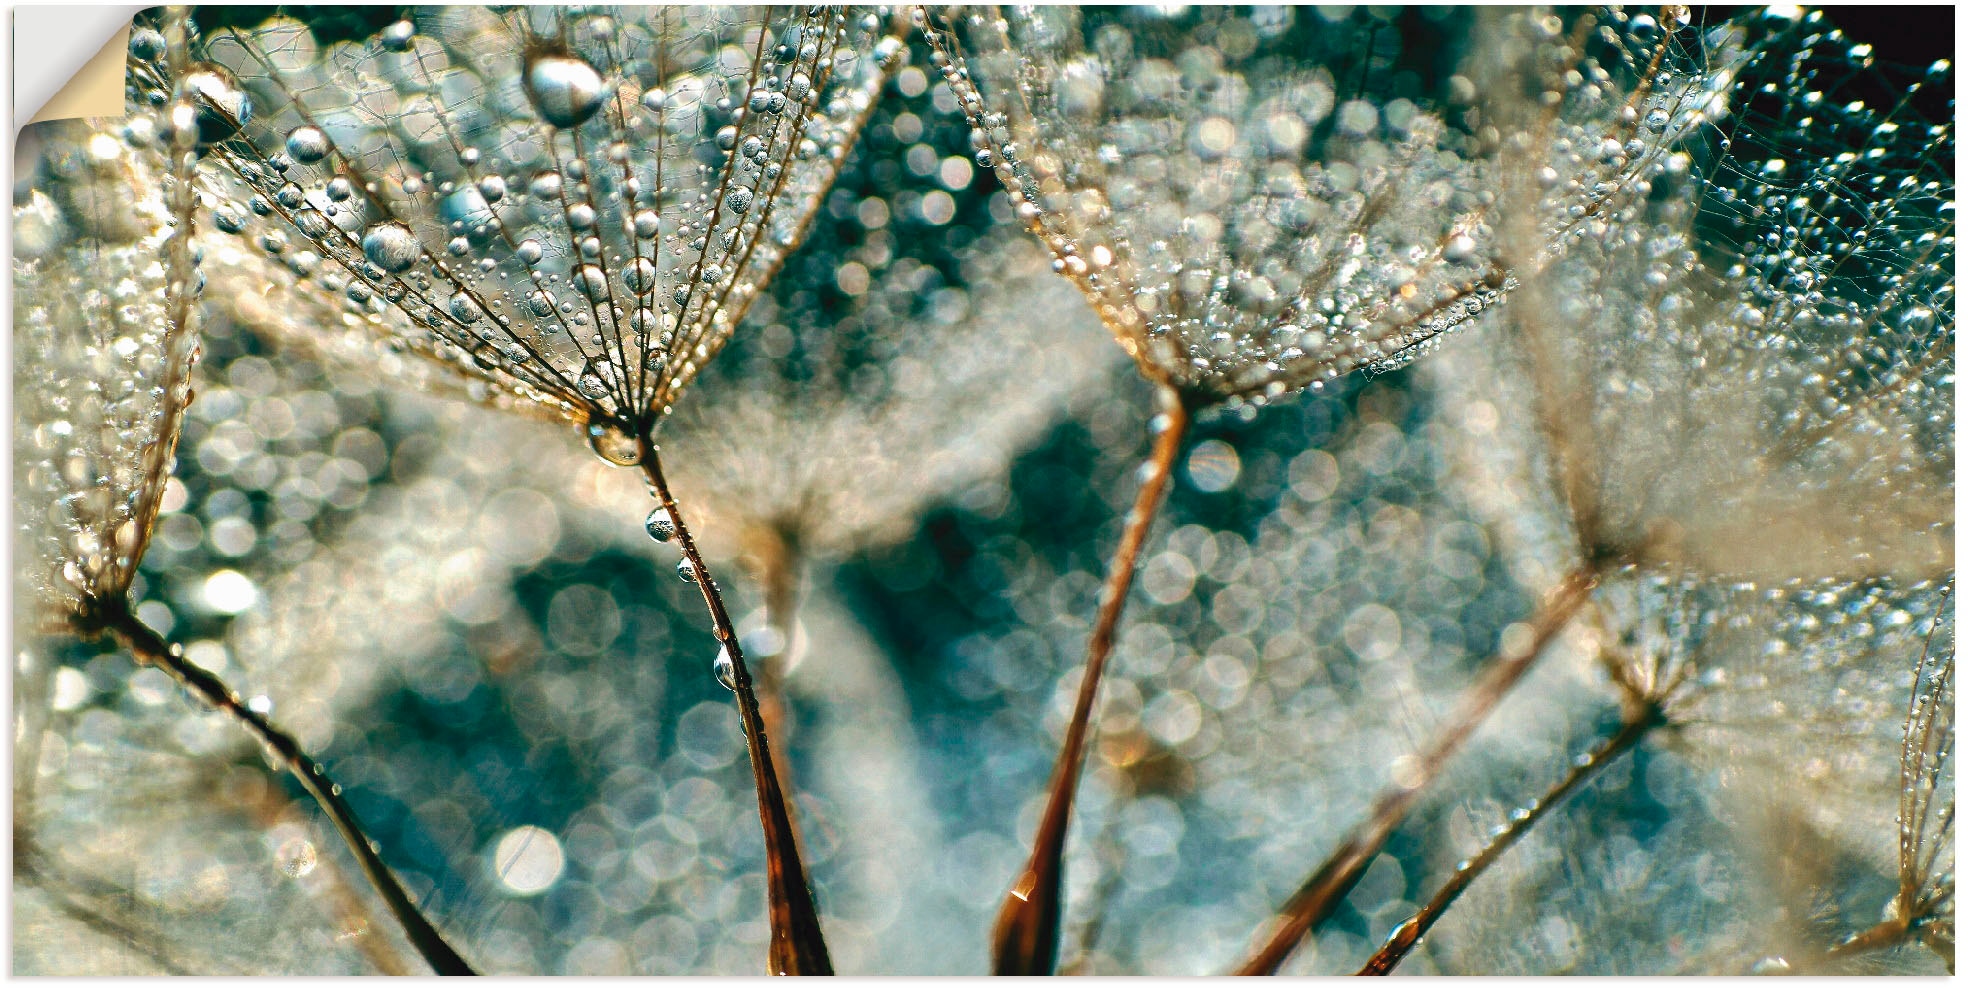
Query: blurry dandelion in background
(1614, 637)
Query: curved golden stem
(1025, 938)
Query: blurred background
(460, 613)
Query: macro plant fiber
(942, 490)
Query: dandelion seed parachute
(1248, 219)
(1742, 386)
(578, 221)
(667, 172)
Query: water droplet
(613, 444)
(307, 145)
(659, 525)
(590, 281)
(686, 572)
(529, 251)
(566, 90)
(739, 200)
(297, 857)
(641, 276)
(724, 670)
(464, 309)
(397, 36)
(391, 246)
(147, 45)
(221, 106)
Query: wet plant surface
(893, 490)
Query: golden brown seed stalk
(1025, 938)
(150, 648)
(797, 946)
(1320, 895)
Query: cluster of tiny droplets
(103, 348)
(1296, 592)
(1803, 324)
(1775, 313)
(247, 567)
(572, 207)
(1328, 581)
(1787, 704)
(1242, 226)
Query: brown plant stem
(797, 946)
(1320, 895)
(1025, 938)
(115, 618)
(1405, 936)
(1888, 933)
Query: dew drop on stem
(222, 106)
(566, 91)
(613, 444)
(391, 246)
(307, 145)
(659, 525)
(722, 667)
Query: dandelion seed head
(545, 192)
(1260, 230)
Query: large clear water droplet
(725, 671)
(659, 525)
(590, 281)
(566, 90)
(146, 44)
(613, 444)
(307, 145)
(686, 571)
(464, 308)
(640, 276)
(390, 246)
